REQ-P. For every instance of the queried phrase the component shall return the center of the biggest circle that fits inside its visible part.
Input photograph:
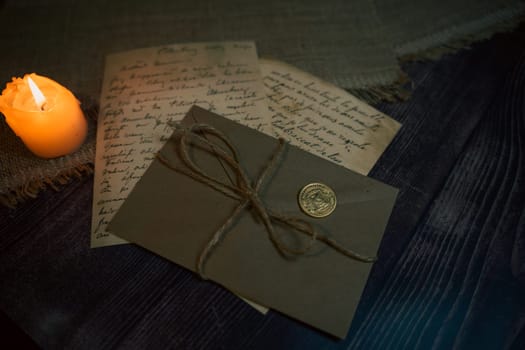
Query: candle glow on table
(44, 114)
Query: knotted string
(245, 193)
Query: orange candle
(44, 114)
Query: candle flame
(39, 97)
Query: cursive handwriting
(323, 119)
(145, 90)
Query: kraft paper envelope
(175, 216)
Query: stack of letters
(247, 171)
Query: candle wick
(38, 96)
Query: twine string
(246, 193)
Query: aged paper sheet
(323, 119)
(144, 90)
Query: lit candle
(44, 114)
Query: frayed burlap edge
(30, 190)
(394, 92)
(455, 38)
(435, 46)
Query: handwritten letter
(324, 119)
(146, 89)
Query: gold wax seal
(317, 200)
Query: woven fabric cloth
(354, 44)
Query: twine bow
(245, 193)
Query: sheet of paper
(144, 90)
(323, 119)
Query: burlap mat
(23, 175)
(354, 44)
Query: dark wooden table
(451, 269)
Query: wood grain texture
(451, 272)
